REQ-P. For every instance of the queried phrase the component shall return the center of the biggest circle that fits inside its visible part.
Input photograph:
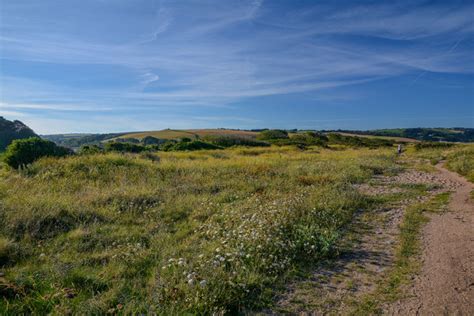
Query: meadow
(173, 232)
(209, 231)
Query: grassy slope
(199, 232)
(459, 158)
(397, 139)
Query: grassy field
(179, 232)
(197, 232)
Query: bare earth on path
(445, 285)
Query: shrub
(168, 145)
(230, 140)
(90, 149)
(354, 141)
(124, 147)
(193, 145)
(22, 152)
(127, 140)
(310, 138)
(423, 145)
(272, 134)
(150, 140)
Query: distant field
(191, 133)
(399, 139)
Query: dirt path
(445, 285)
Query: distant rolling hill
(190, 133)
(398, 135)
(77, 140)
(456, 134)
(394, 138)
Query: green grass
(183, 232)
(407, 257)
(462, 162)
(459, 158)
(191, 232)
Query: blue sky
(124, 65)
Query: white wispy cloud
(215, 53)
(55, 107)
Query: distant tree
(22, 152)
(234, 140)
(128, 140)
(150, 140)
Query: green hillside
(424, 134)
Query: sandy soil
(445, 285)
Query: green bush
(127, 140)
(90, 149)
(423, 145)
(272, 134)
(354, 141)
(124, 147)
(168, 145)
(22, 152)
(310, 138)
(231, 140)
(193, 145)
(150, 140)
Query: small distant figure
(399, 149)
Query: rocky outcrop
(11, 130)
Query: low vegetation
(462, 162)
(197, 232)
(195, 225)
(22, 152)
(354, 141)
